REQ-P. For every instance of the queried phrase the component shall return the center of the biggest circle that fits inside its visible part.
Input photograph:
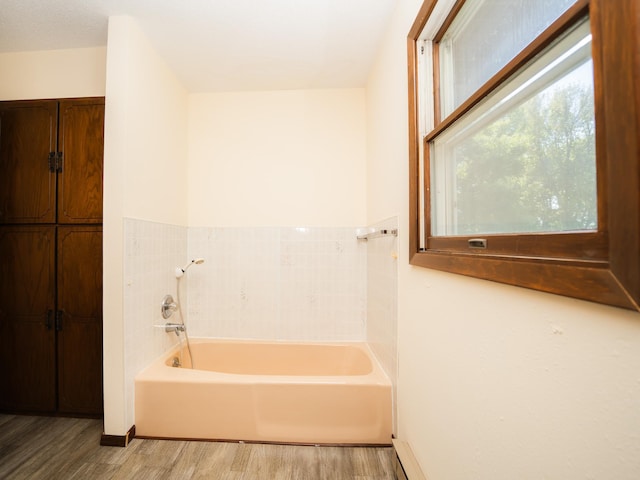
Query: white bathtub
(267, 392)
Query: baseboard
(407, 467)
(118, 440)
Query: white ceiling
(219, 45)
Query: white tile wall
(151, 253)
(278, 283)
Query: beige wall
(147, 124)
(496, 382)
(78, 72)
(145, 177)
(281, 158)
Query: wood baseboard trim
(407, 467)
(118, 440)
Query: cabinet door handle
(49, 322)
(59, 314)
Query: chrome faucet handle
(168, 306)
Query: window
(524, 152)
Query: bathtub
(266, 392)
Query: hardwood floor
(68, 448)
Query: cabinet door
(81, 140)
(27, 336)
(28, 133)
(80, 323)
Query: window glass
(484, 37)
(523, 160)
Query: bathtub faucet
(174, 327)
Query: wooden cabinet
(28, 135)
(48, 149)
(27, 318)
(81, 141)
(79, 319)
(51, 256)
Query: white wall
(278, 158)
(78, 72)
(147, 120)
(496, 382)
(144, 178)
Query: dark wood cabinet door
(81, 141)
(51, 172)
(28, 133)
(27, 320)
(80, 323)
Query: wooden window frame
(601, 266)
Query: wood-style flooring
(69, 448)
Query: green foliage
(532, 170)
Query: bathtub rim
(159, 371)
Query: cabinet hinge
(55, 162)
